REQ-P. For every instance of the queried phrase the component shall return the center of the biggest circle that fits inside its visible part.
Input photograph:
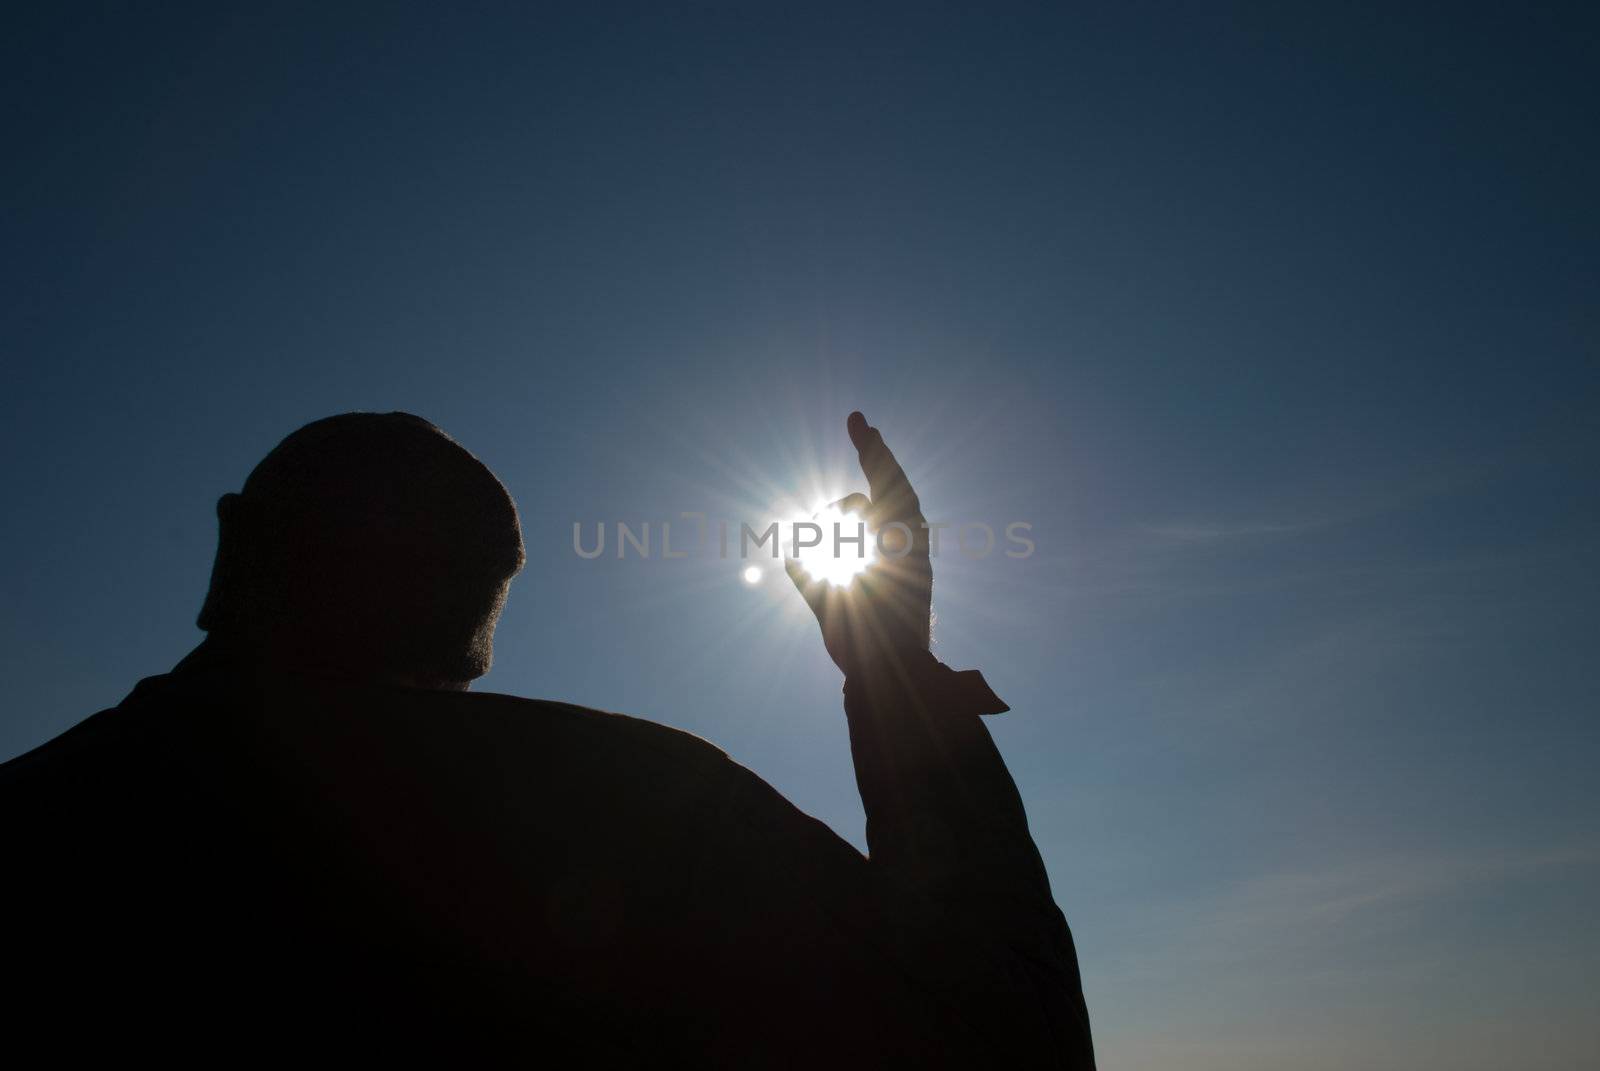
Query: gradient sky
(1277, 324)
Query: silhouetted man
(309, 840)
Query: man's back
(393, 868)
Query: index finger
(892, 496)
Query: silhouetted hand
(880, 619)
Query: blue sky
(1276, 323)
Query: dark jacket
(224, 867)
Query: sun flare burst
(837, 556)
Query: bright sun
(820, 561)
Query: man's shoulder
(533, 749)
(106, 732)
(511, 716)
(609, 724)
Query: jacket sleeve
(949, 844)
(943, 947)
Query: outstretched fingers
(892, 496)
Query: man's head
(367, 545)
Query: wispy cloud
(1338, 965)
(1328, 897)
(1358, 924)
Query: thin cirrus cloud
(1319, 966)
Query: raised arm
(947, 834)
